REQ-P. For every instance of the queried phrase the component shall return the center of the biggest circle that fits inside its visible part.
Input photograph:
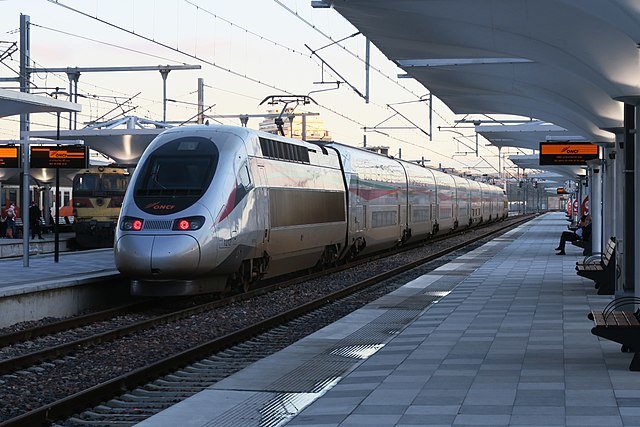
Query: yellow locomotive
(97, 198)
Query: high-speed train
(211, 208)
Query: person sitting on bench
(582, 233)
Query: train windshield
(176, 174)
(181, 167)
(100, 183)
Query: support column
(595, 202)
(25, 81)
(608, 192)
(618, 214)
(200, 100)
(636, 205)
(164, 73)
(629, 199)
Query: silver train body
(213, 207)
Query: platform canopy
(561, 61)
(526, 135)
(123, 145)
(532, 161)
(13, 103)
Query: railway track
(245, 334)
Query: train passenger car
(463, 202)
(445, 196)
(97, 198)
(377, 188)
(422, 201)
(217, 207)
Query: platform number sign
(10, 156)
(65, 157)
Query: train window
(114, 183)
(85, 183)
(171, 170)
(284, 151)
(243, 176)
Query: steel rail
(100, 392)
(79, 321)
(73, 322)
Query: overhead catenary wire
(57, 2)
(240, 75)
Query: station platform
(497, 337)
(43, 272)
(50, 289)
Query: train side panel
(476, 202)
(377, 199)
(445, 201)
(305, 204)
(421, 200)
(463, 202)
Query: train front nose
(157, 256)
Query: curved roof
(124, 146)
(13, 102)
(561, 61)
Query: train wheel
(241, 280)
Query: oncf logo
(569, 150)
(157, 206)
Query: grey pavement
(43, 273)
(506, 343)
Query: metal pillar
(200, 100)
(636, 205)
(367, 67)
(73, 77)
(164, 73)
(619, 213)
(629, 218)
(608, 191)
(25, 60)
(596, 209)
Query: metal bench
(622, 327)
(601, 268)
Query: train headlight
(188, 224)
(131, 224)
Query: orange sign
(70, 157)
(9, 156)
(561, 153)
(561, 190)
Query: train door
(433, 210)
(262, 207)
(359, 216)
(403, 194)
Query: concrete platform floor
(507, 344)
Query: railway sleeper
(151, 393)
(102, 411)
(181, 383)
(151, 404)
(144, 399)
(80, 422)
(95, 416)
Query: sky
(248, 50)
